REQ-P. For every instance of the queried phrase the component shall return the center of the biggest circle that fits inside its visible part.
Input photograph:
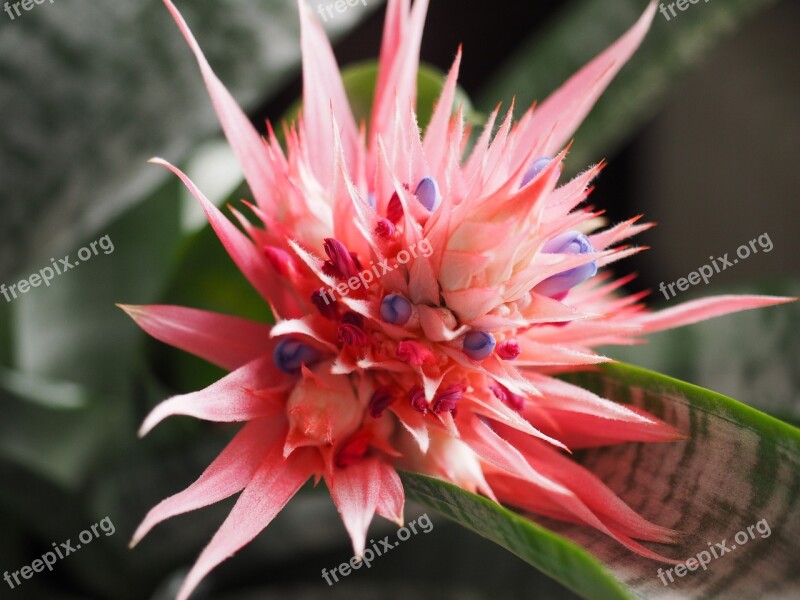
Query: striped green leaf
(737, 476)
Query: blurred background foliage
(700, 131)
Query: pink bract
(455, 377)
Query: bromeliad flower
(381, 356)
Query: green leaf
(552, 554)
(75, 349)
(93, 90)
(57, 443)
(738, 468)
(585, 28)
(61, 395)
(71, 330)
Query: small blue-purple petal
(569, 242)
(371, 200)
(479, 344)
(560, 284)
(396, 309)
(289, 354)
(539, 165)
(428, 194)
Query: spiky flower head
(424, 297)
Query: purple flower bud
(353, 318)
(385, 229)
(570, 242)
(507, 397)
(290, 353)
(396, 309)
(539, 165)
(381, 399)
(352, 335)
(416, 396)
(478, 344)
(341, 262)
(447, 400)
(428, 194)
(326, 305)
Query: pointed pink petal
(393, 32)
(566, 108)
(541, 309)
(566, 507)
(581, 419)
(226, 341)
(704, 308)
(323, 95)
(305, 327)
(621, 231)
(435, 325)
(471, 303)
(580, 430)
(475, 165)
(392, 497)
(593, 492)
(414, 422)
(275, 483)
(535, 354)
(400, 82)
(239, 396)
(436, 137)
(230, 472)
(495, 450)
(491, 407)
(240, 248)
(561, 395)
(356, 491)
(242, 136)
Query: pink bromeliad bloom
(423, 301)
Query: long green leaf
(738, 468)
(551, 553)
